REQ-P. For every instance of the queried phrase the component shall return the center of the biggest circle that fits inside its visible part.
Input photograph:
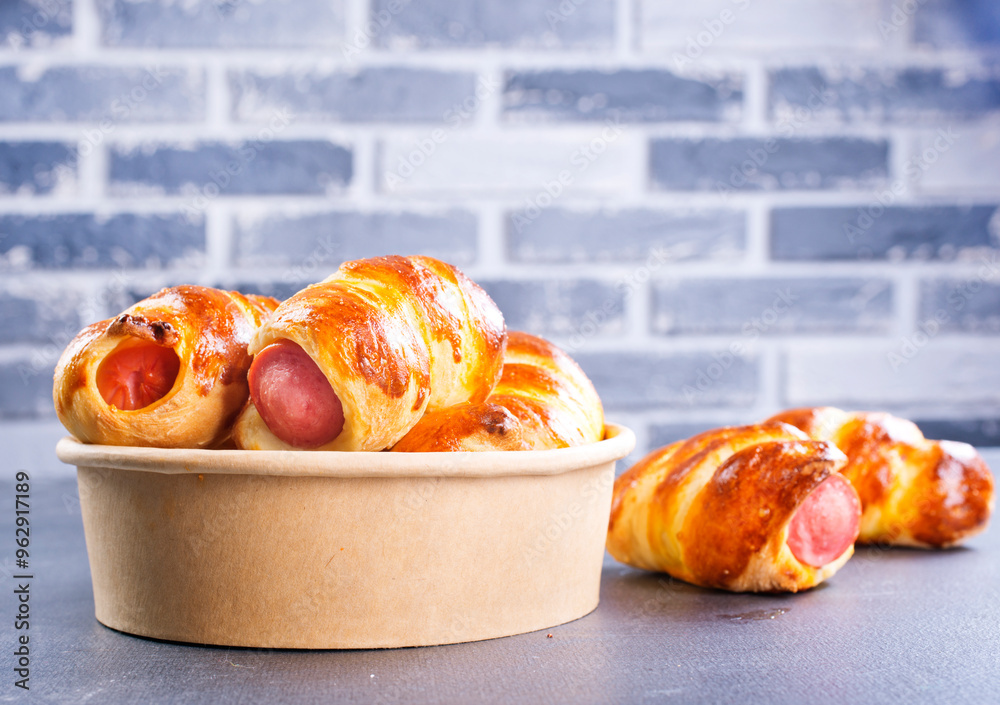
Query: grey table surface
(893, 626)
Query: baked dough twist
(394, 337)
(914, 491)
(718, 510)
(543, 400)
(169, 372)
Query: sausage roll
(752, 508)
(543, 400)
(169, 372)
(353, 362)
(914, 492)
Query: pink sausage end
(826, 523)
(293, 396)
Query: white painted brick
(941, 371)
(514, 164)
(953, 158)
(758, 24)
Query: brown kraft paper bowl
(326, 550)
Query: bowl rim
(617, 443)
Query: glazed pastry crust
(395, 337)
(914, 491)
(714, 510)
(543, 400)
(207, 328)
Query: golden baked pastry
(169, 372)
(543, 400)
(353, 362)
(914, 491)
(751, 508)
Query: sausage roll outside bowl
(748, 509)
(914, 491)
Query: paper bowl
(325, 550)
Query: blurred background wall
(720, 208)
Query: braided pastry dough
(353, 362)
(169, 372)
(914, 492)
(543, 400)
(751, 508)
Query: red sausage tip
(294, 397)
(826, 523)
(134, 376)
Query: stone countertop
(896, 625)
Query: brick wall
(720, 208)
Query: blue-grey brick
(661, 435)
(654, 237)
(256, 167)
(35, 167)
(682, 380)
(311, 247)
(26, 387)
(222, 23)
(984, 433)
(122, 297)
(103, 94)
(577, 308)
(280, 290)
(978, 432)
(83, 241)
(34, 23)
(754, 307)
(546, 24)
(957, 24)
(753, 164)
(963, 305)
(845, 233)
(890, 95)
(383, 94)
(37, 316)
(626, 95)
